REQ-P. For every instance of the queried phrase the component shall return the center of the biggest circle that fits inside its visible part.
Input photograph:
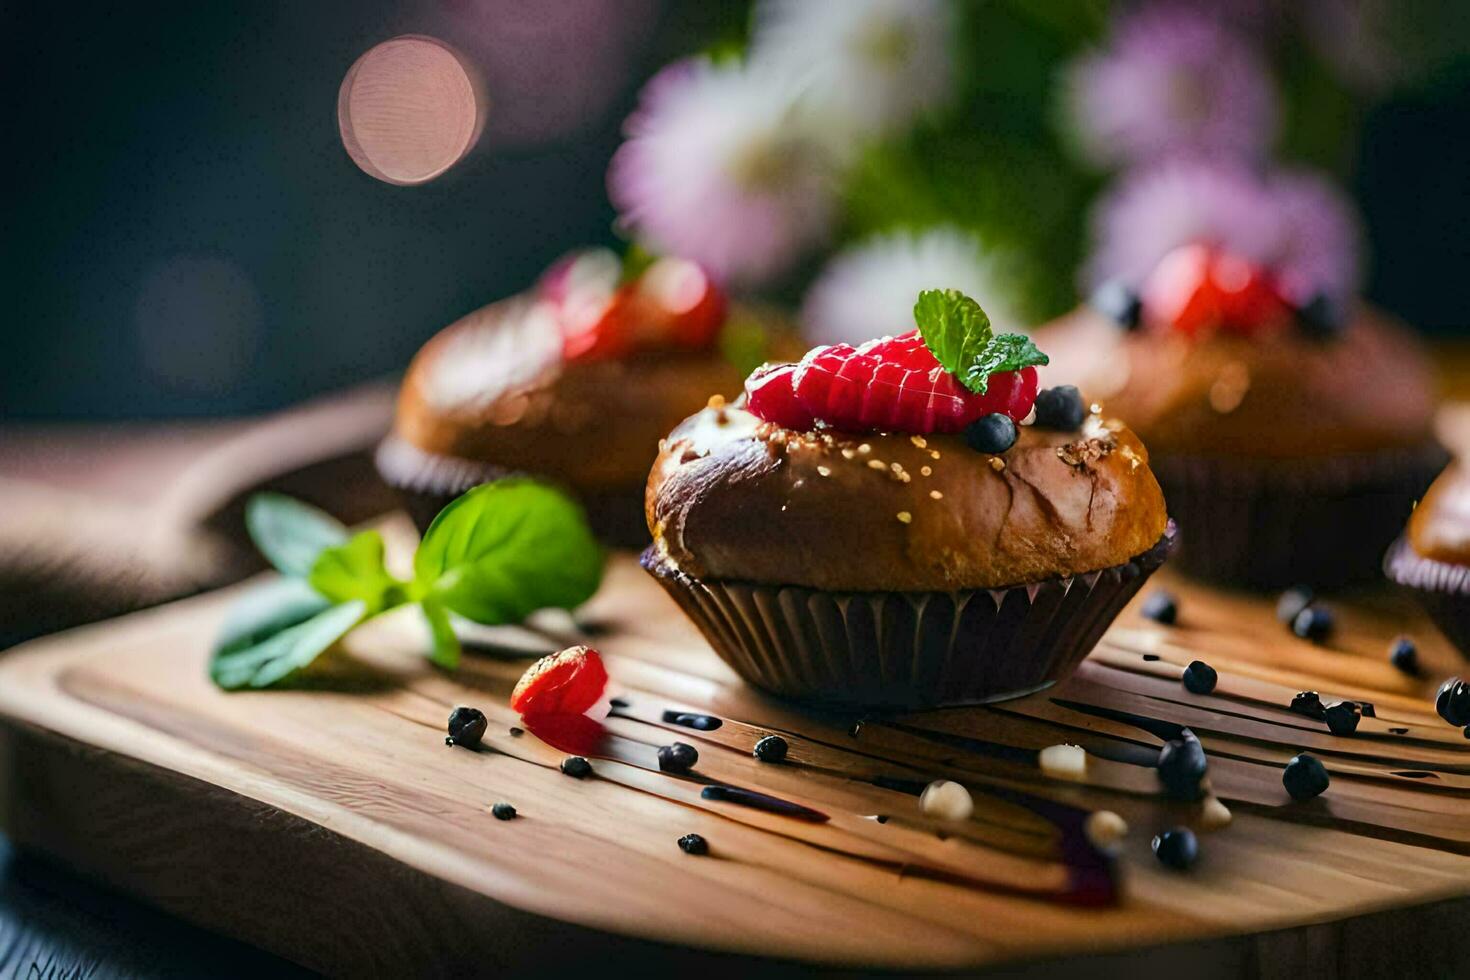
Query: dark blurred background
(184, 234)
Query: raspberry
(566, 683)
(673, 304)
(769, 396)
(896, 384)
(1197, 288)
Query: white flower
(871, 66)
(869, 289)
(721, 166)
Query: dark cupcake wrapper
(1268, 525)
(907, 649)
(1443, 589)
(429, 482)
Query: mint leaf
(445, 649)
(289, 533)
(1006, 352)
(958, 334)
(506, 549)
(355, 570)
(276, 631)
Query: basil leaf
(355, 570)
(445, 651)
(289, 533)
(506, 549)
(958, 334)
(275, 632)
(1007, 352)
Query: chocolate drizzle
(762, 801)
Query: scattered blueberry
(466, 727)
(576, 767)
(772, 748)
(1060, 408)
(1368, 710)
(693, 844)
(1313, 623)
(1177, 848)
(994, 433)
(677, 757)
(1320, 318)
(517, 732)
(1114, 300)
(1453, 702)
(1342, 717)
(618, 702)
(1304, 777)
(1309, 703)
(1161, 607)
(503, 811)
(1200, 678)
(1182, 764)
(1292, 602)
(1404, 655)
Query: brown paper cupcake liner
(907, 649)
(1268, 525)
(428, 482)
(1441, 588)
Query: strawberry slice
(570, 682)
(769, 396)
(893, 384)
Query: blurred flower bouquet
(843, 156)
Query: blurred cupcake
(1432, 557)
(574, 381)
(1290, 426)
(879, 526)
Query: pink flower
(1170, 80)
(1296, 222)
(723, 166)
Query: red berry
(770, 397)
(1196, 288)
(588, 274)
(897, 384)
(566, 683)
(693, 307)
(574, 734)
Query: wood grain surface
(331, 823)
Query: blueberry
(693, 844)
(1200, 678)
(1313, 623)
(1182, 764)
(1368, 710)
(992, 434)
(1404, 655)
(503, 811)
(1060, 408)
(1292, 602)
(677, 757)
(1114, 300)
(576, 767)
(1453, 702)
(1161, 607)
(1309, 703)
(1320, 318)
(1342, 717)
(466, 727)
(1177, 848)
(772, 748)
(1304, 777)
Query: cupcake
(1291, 443)
(573, 382)
(893, 525)
(1432, 557)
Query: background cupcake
(574, 381)
(869, 529)
(1291, 426)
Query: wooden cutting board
(332, 824)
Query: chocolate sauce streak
(1166, 730)
(760, 801)
(1415, 774)
(688, 719)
